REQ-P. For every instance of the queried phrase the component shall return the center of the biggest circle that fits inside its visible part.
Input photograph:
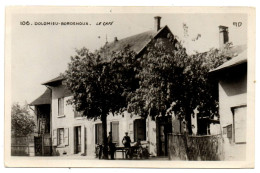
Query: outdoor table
(121, 149)
(124, 149)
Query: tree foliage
(22, 123)
(162, 81)
(172, 81)
(160, 78)
(100, 84)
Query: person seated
(141, 151)
(138, 143)
(138, 148)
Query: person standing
(126, 142)
(111, 146)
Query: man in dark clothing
(126, 142)
(111, 146)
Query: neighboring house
(42, 110)
(73, 133)
(203, 125)
(232, 83)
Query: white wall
(151, 127)
(232, 94)
(69, 121)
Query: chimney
(157, 21)
(115, 39)
(223, 36)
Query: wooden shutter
(99, 135)
(240, 124)
(115, 131)
(79, 135)
(85, 140)
(54, 138)
(61, 106)
(229, 131)
(66, 136)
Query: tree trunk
(188, 122)
(104, 131)
(187, 133)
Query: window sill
(61, 116)
(79, 118)
(237, 143)
(61, 146)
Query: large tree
(100, 83)
(172, 81)
(22, 123)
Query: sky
(40, 53)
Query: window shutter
(58, 103)
(115, 131)
(54, 138)
(61, 106)
(66, 136)
(99, 135)
(240, 124)
(229, 131)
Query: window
(139, 129)
(115, 131)
(61, 106)
(239, 120)
(60, 136)
(77, 139)
(77, 114)
(229, 131)
(98, 134)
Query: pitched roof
(136, 42)
(45, 98)
(54, 81)
(236, 50)
(239, 59)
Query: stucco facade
(69, 123)
(233, 109)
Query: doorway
(164, 127)
(77, 139)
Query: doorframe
(162, 121)
(76, 135)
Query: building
(203, 125)
(73, 133)
(42, 110)
(232, 88)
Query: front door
(38, 146)
(164, 128)
(77, 139)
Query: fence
(183, 147)
(22, 146)
(42, 146)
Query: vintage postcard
(143, 87)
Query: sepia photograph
(130, 87)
